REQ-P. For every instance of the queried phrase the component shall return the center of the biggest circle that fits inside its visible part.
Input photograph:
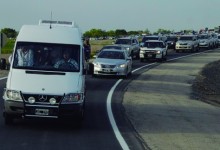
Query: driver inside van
(67, 62)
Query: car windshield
(203, 37)
(149, 38)
(171, 39)
(153, 44)
(112, 47)
(49, 57)
(123, 41)
(111, 55)
(186, 38)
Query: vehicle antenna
(51, 15)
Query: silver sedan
(113, 62)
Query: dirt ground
(206, 86)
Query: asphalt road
(96, 131)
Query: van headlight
(12, 95)
(72, 97)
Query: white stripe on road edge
(110, 114)
(118, 135)
(112, 120)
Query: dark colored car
(171, 42)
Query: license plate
(42, 112)
(149, 55)
(107, 70)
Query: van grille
(40, 98)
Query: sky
(131, 15)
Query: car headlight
(12, 95)
(72, 97)
(128, 48)
(158, 52)
(96, 64)
(141, 51)
(122, 65)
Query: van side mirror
(10, 59)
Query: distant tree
(87, 34)
(111, 33)
(96, 33)
(10, 33)
(133, 32)
(163, 31)
(187, 31)
(120, 32)
(147, 31)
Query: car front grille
(107, 66)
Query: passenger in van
(67, 62)
(53, 57)
(41, 56)
(24, 56)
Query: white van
(47, 75)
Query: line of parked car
(116, 59)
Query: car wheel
(141, 60)
(165, 58)
(192, 50)
(94, 75)
(137, 56)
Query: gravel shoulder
(166, 104)
(206, 86)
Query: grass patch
(8, 48)
(98, 44)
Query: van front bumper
(21, 109)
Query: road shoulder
(162, 108)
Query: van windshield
(44, 56)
